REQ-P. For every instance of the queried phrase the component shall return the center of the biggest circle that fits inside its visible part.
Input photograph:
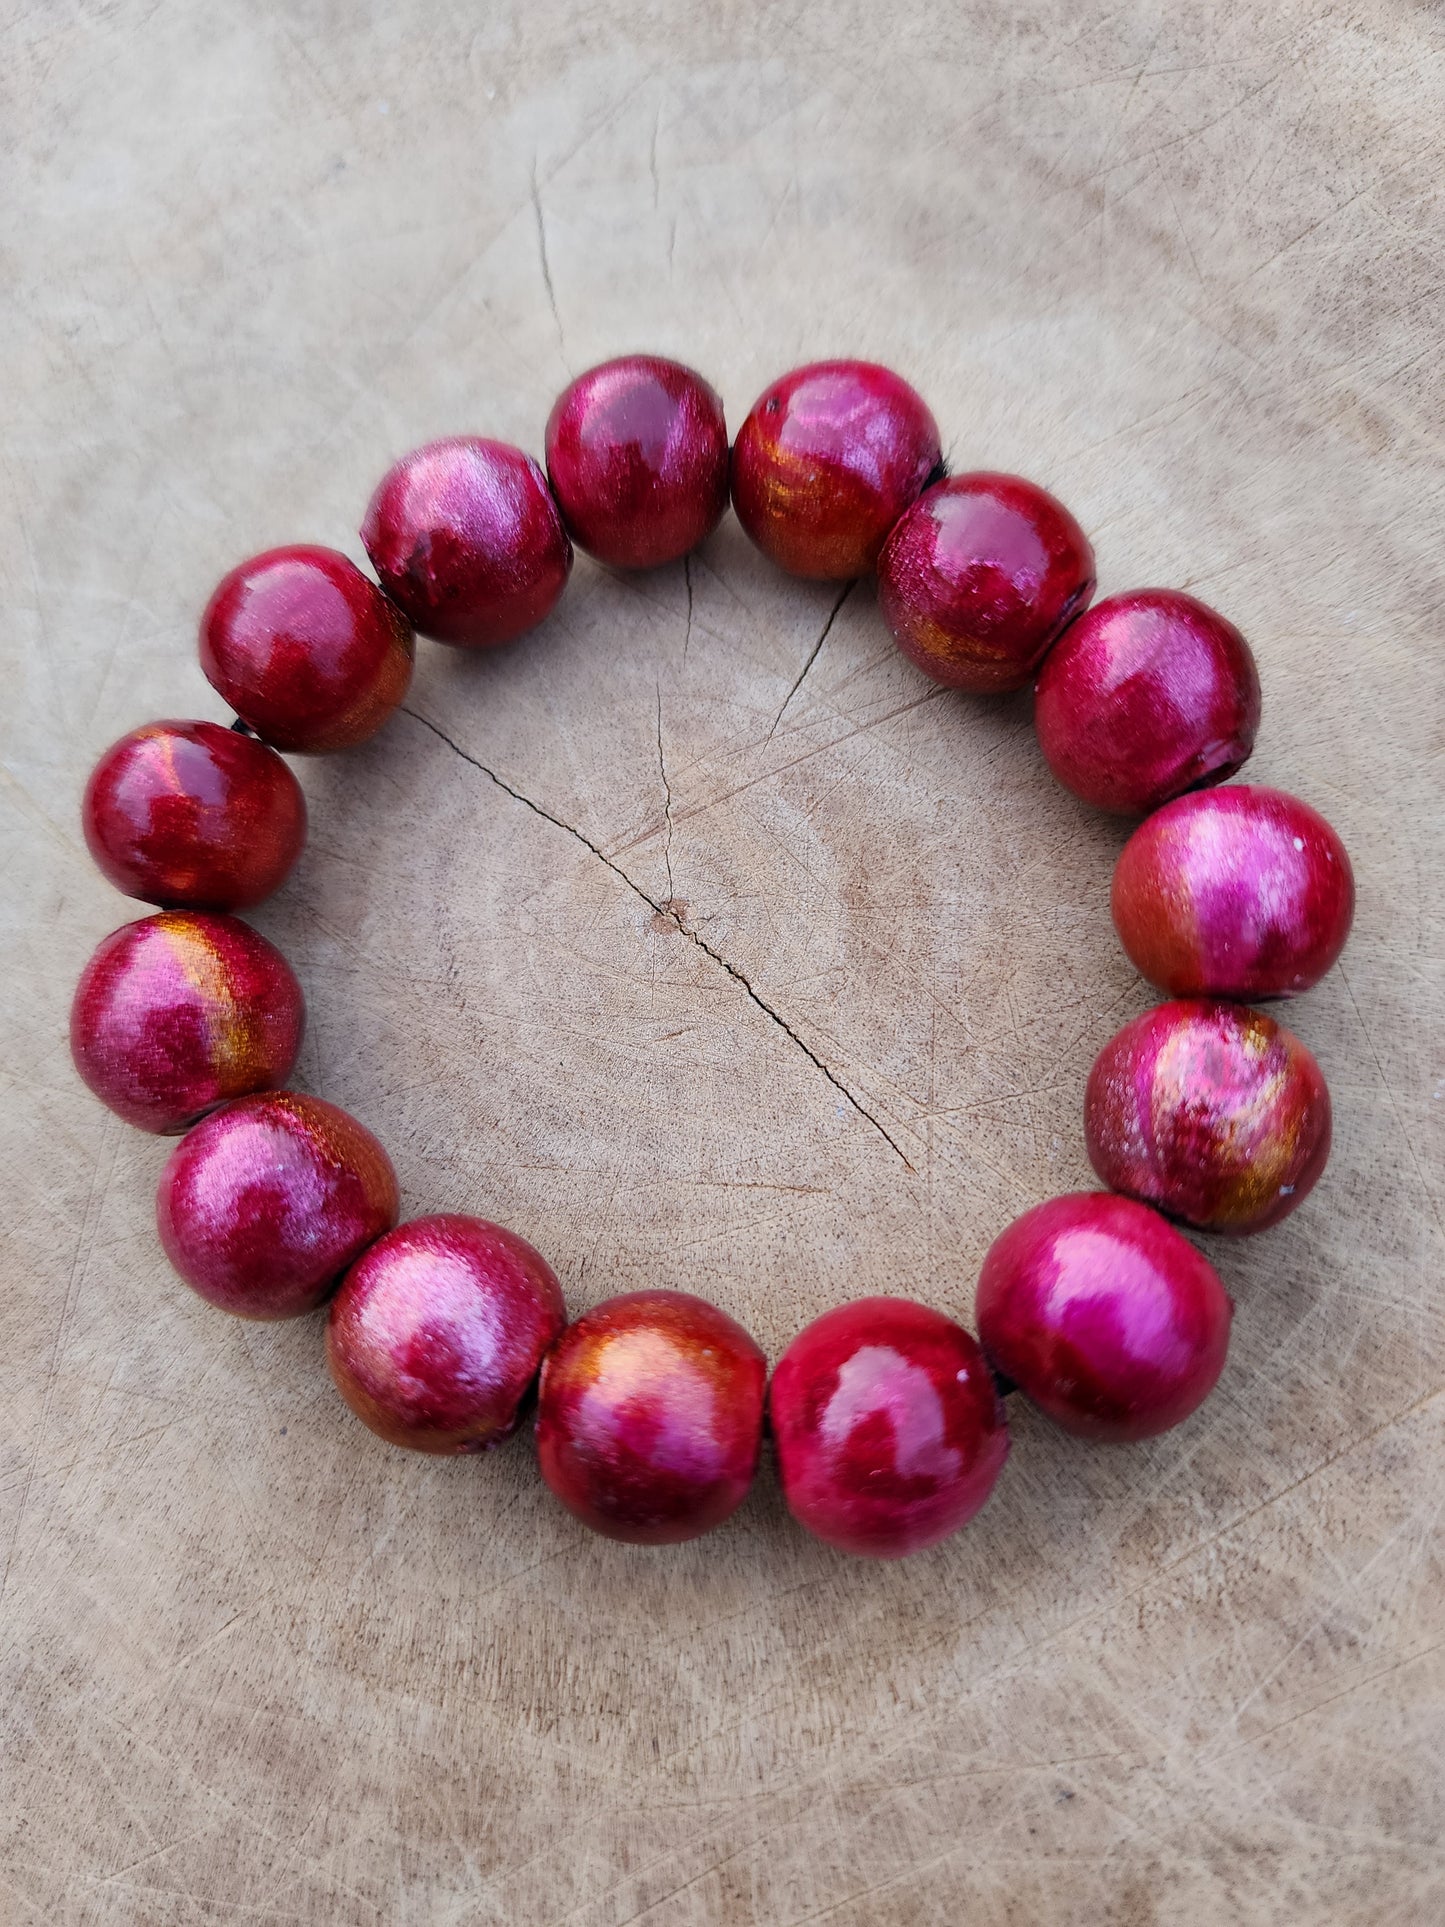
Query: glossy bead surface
(438, 1331)
(1145, 696)
(637, 452)
(180, 1011)
(649, 1417)
(305, 649)
(829, 458)
(978, 578)
(191, 815)
(1210, 1112)
(466, 539)
(888, 1427)
(1240, 892)
(265, 1203)
(1104, 1315)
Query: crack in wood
(670, 915)
(843, 595)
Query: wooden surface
(1183, 265)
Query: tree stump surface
(703, 942)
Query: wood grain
(708, 952)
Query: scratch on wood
(545, 261)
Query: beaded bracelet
(887, 1417)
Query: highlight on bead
(267, 1201)
(439, 1330)
(887, 1417)
(466, 539)
(309, 653)
(637, 455)
(889, 1429)
(1106, 1317)
(180, 1011)
(650, 1417)
(979, 578)
(1215, 1114)
(1238, 892)
(1145, 696)
(192, 816)
(827, 460)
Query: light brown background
(1181, 264)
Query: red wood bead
(978, 578)
(191, 815)
(1104, 1315)
(1240, 892)
(305, 649)
(827, 461)
(889, 1430)
(1212, 1113)
(649, 1417)
(180, 1011)
(265, 1203)
(637, 452)
(1145, 696)
(438, 1331)
(467, 540)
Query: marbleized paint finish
(828, 459)
(178, 1012)
(1212, 1113)
(265, 1203)
(467, 540)
(889, 1429)
(977, 579)
(438, 1331)
(637, 453)
(1240, 892)
(649, 1417)
(305, 649)
(1106, 1316)
(191, 815)
(1145, 696)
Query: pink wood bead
(978, 578)
(1145, 696)
(177, 1013)
(649, 1417)
(466, 539)
(1104, 1315)
(637, 452)
(889, 1430)
(305, 649)
(829, 458)
(1212, 1113)
(1240, 892)
(265, 1203)
(191, 815)
(438, 1331)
